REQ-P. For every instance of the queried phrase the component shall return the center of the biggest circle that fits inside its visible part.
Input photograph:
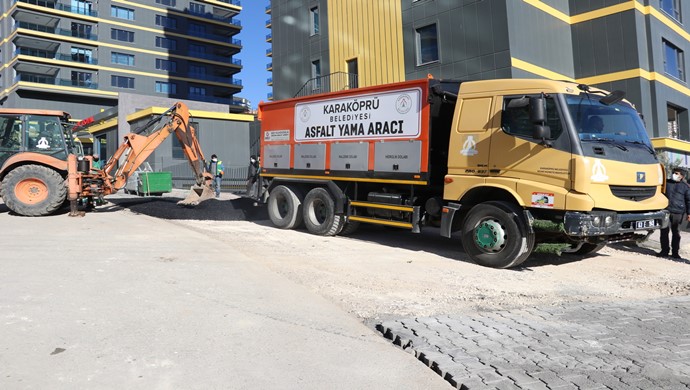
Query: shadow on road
(241, 209)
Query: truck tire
(588, 249)
(285, 207)
(349, 228)
(33, 190)
(496, 234)
(319, 213)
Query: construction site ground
(144, 294)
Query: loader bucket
(197, 194)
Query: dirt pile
(239, 209)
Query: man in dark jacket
(678, 194)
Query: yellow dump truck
(507, 164)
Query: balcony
(56, 56)
(269, 81)
(268, 9)
(269, 96)
(225, 59)
(269, 38)
(269, 52)
(215, 37)
(208, 15)
(269, 66)
(269, 22)
(219, 79)
(58, 31)
(232, 2)
(62, 7)
(32, 78)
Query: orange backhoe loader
(43, 166)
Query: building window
(166, 43)
(427, 44)
(678, 123)
(80, 54)
(80, 30)
(167, 65)
(122, 59)
(122, 82)
(197, 91)
(197, 49)
(81, 7)
(166, 21)
(81, 79)
(168, 88)
(197, 70)
(674, 61)
(353, 73)
(197, 28)
(316, 74)
(170, 3)
(122, 35)
(314, 20)
(121, 12)
(197, 8)
(671, 7)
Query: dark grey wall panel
(293, 47)
(470, 32)
(540, 39)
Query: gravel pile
(240, 209)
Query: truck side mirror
(541, 132)
(537, 110)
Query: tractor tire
(496, 234)
(285, 207)
(319, 213)
(33, 190)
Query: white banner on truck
(395, 114)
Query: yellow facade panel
(370, 32)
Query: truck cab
(578, 161)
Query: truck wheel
(319, 213)
(33, 190)
(496, 234)
(285, 207)
(349, 228)
(588, 249)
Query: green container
(155, 183)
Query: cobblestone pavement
(632, 345)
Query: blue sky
(253, 54)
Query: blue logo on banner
(641, 177)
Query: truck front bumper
(608, 223)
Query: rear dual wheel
(319, 213)
(285, 207)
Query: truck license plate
(648, 223)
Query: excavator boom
(136, 148)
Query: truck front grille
(633, 193)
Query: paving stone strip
(631, 345)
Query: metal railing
(337, 81)
(60, 6)
(32, 78)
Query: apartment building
(87, 56)
(634, 45)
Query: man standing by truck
(678, 194)
(216, 168)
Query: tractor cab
(38, 131)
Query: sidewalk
(116, 300)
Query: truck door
(468, 153)
(538, 169)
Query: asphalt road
(119, 300)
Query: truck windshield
(618, 123)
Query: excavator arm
(135, 149)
